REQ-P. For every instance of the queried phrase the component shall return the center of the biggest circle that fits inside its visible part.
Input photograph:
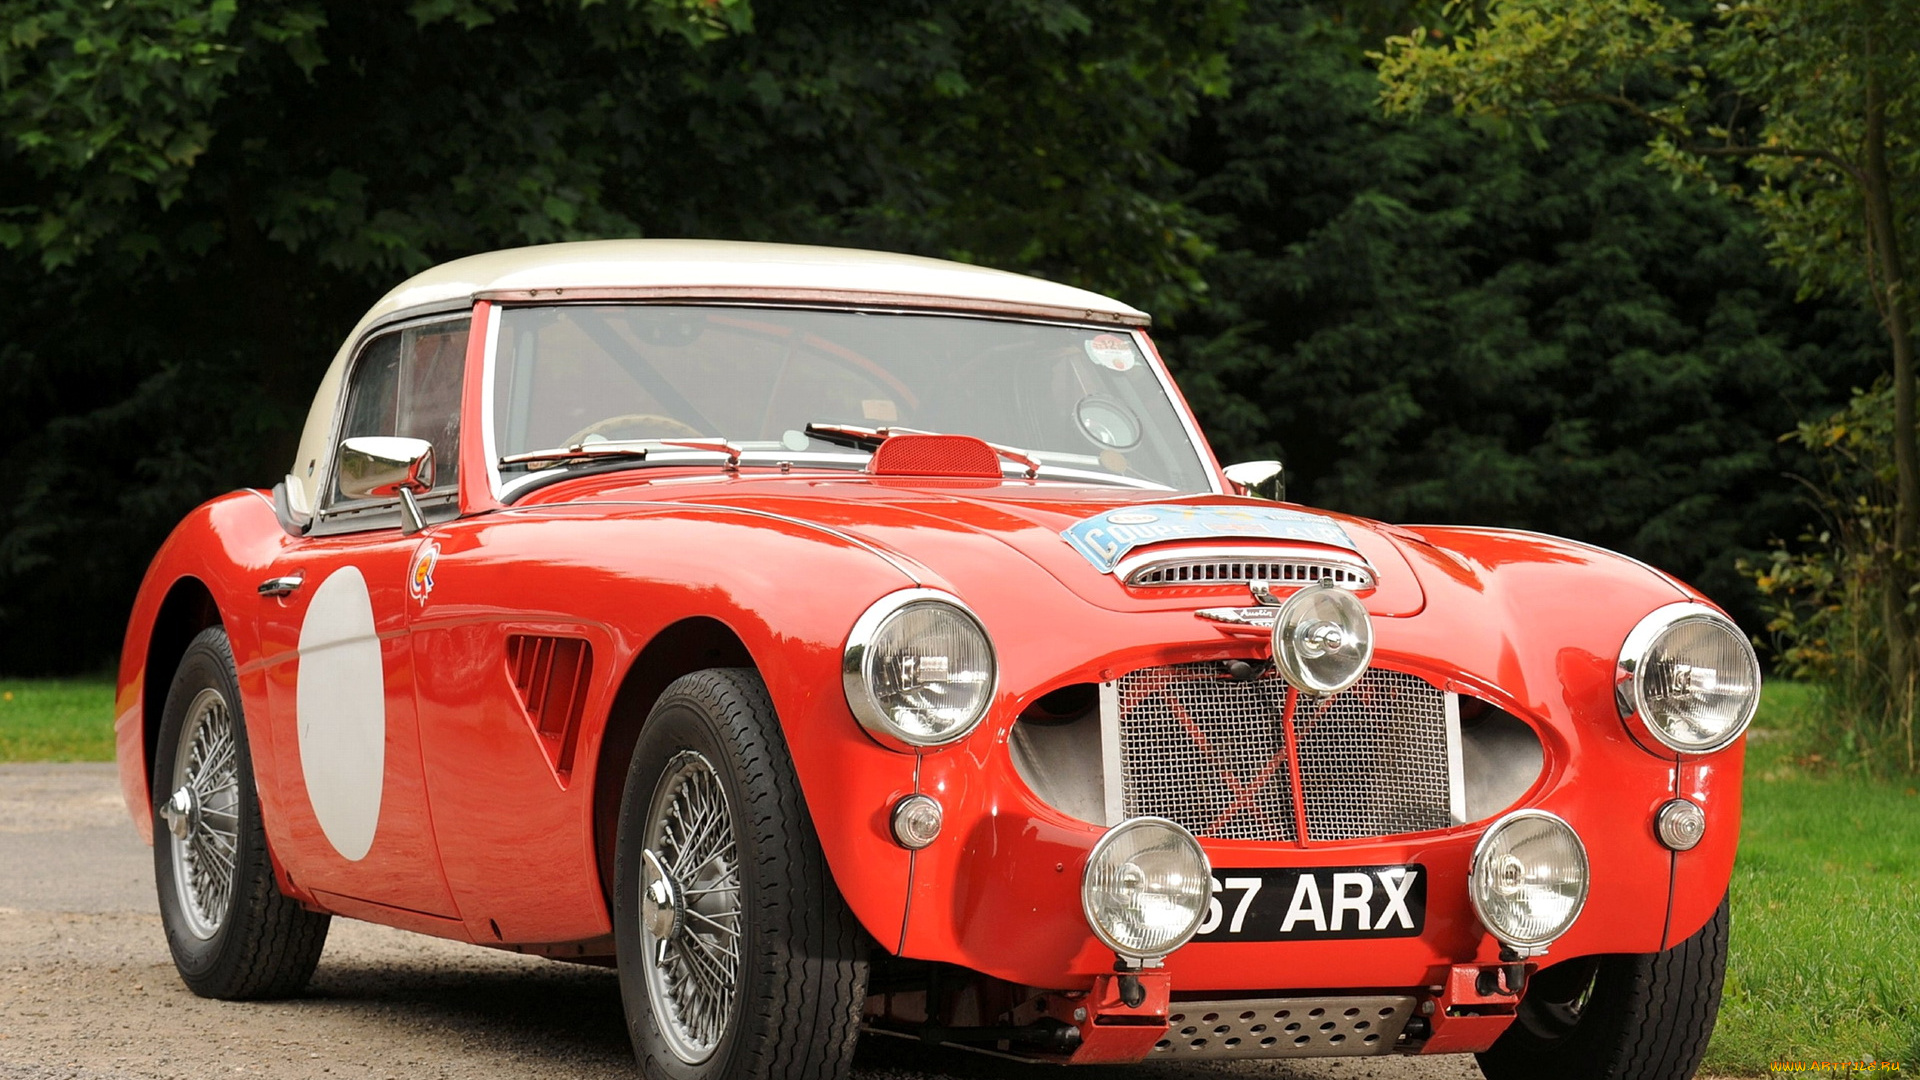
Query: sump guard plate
(1286, 1027)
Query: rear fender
(205, 574)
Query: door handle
(282, 586)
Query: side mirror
(383, 466)
(1260, 479)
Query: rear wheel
(1645, 1016)
(738, 958)
(232, 933)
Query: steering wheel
(643, 425)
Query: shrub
(1830, 602)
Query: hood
(957, 529)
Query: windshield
(1081, 401)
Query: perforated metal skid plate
(1285, 1027)
(1210, 753)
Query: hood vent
(1237, 567)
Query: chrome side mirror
(1260, 479)
(383, 466)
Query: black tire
(801, 970)
(261, 944)
(1644, 1016)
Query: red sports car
(843, 643)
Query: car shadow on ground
(570, 1012)
(551, 1008)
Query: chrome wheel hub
(690, 908)
(203, 814)
(181, 812)
(661, 904)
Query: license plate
(1312, 903)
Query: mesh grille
(1205, 751)
(1210, 753)
(1231, 571)
(1373, 760)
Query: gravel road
(87, 990)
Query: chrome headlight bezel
(1538, 944)
(1094, 860)
(1630, 685)
(856, 670)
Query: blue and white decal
(1106, 538)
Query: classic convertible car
(844, 644)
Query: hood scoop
(1240, 565)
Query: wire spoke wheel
(738, 958)
(203, 813)
(233, 934)
(691, 907)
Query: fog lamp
(1690, 676)
(1322, 639)
(918, 669)
(1529, 879)
(1146, 887)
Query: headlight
(1322, 639)
(918, 669)
(1690, 676)
(1146, 887)
(1529, 878)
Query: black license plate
(1311, 903)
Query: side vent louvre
(552, 675)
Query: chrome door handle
(281, 586)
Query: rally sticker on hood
(1106, 538)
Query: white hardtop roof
(739, 270)
(730, 270)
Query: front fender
(1585, 600)
(619, 578)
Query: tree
(198, 199)
(1431, 326)
(1814, 99)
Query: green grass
(56, 719)
(1826, 893)
(1825, 962)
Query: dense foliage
(1427, 322)
(1816, 102)
(1430, 324)
(197, 201)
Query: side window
(407, 382)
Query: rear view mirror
(383, 466)
(1260, 479)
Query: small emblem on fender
(420, 580)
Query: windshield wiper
(631, 449)
(577, 452)
(866, 438)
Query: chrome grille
(1210, 752)
(1373, 759)
(1229, 571)
(1205, 751)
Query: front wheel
(232, 933)
(738, 958)
(1632, 1017)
